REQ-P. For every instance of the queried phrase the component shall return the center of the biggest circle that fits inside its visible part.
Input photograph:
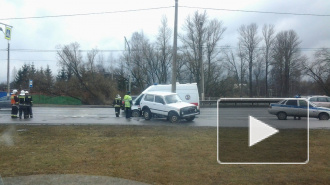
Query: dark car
(5, 102)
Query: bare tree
(152, 64)
(200, 48)
(138, 65)
(214, 32)
(319, 70)
(236, 63)
(91, 59)
(231, 63)
(268, 32)
(193, 41)
(70, 57)
(286, 58)
(183, 75)
(165, 51)
(249, 41)
(86, 84)
(242, 58)
(258, 71)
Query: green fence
(59, 100)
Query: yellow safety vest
(127, 99)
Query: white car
(320, 101)
(187, 92)
(297, 107)
(168, 105)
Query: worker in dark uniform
(22, 106)
(117, 104)
(28, 103)
(14, 104)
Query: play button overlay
(248, 134)
(259, 131)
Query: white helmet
(118, 96)
(14, 91)
(22, 92)
(26, 92)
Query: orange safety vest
(12, 99)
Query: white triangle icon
(259, 131)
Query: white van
(187, 92)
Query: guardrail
(240, 102)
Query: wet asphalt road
(228, 117)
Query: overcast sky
(106, 31)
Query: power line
(302, 49)
(55, 50)
(109, 50)
(159, 8)
(85, 14)
(254, 11)
(23, 60)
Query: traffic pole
(175, 38)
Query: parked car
(297, 107)
(320, 101)
(168, 105)
(5, 102)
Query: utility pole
(8, 84)
(175, 38)
(8, 37)
(201, 59)
(129, 68)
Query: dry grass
(156, 155)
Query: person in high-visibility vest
(14, 104)
(117, 104)
(128, 104)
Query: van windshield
(174, 98)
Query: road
(229, 117)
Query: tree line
(265, 62)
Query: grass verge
(151, 154)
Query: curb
(67, 180)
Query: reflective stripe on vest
(117, 101)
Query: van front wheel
(174, 118)
(147, 114)
(136, 113)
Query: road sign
(31, 83)
(8, 33)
